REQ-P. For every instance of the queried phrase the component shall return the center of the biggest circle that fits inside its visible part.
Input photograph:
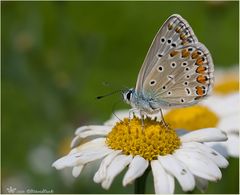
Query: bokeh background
(58, 56)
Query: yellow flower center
(150, 141)
(191, 118)
(227, 87)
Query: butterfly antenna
(109, 94)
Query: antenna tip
(102, 96)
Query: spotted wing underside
(183, 77)
(175, 32)
(178, 70)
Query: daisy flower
(126, 144)
(211, 113)
(228, 113)
(220, 110)
(225, 102)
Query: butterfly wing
(178, 70)
(174, 32)
(185, 77)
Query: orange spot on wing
(185, 53)
(195, 54)
(199, 61)
(199, 91)
(173, 53)
(202, 79)
(201, 69)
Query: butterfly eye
(129, 95)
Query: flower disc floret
(150, 141)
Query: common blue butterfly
(177, 71)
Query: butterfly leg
(131, 111)
(142, 118)
(162, 119)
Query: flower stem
(140, 183)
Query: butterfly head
(128, 95)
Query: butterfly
(177, 71)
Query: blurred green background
(55, 58)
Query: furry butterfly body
(177, 71)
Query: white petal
(204, 135)
(82, 129)
(229, 124)
(201, 184)
(217, 158)
(135, 170)
(228, 148)
(66, 161)
(199, 164)
(117, 165)
(77, 170)
(102, 171)
(220, 147)
(161, 178)
(98, 142)
(91, 155)
(218, 104)
(179, 170)
(81, 158)
(85, 153)
(95, 132)
(87, 133)
(76, 141)
(233, 145)
(171, 183)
